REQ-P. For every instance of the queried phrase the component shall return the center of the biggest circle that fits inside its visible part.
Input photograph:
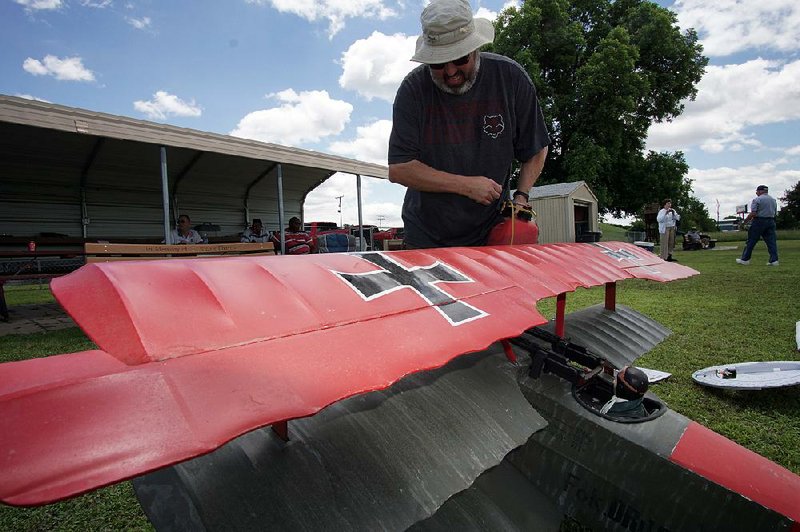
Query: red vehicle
(393, 233)
(320, 228)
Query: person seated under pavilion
(183, 233)
(256, 232)
(298, 242)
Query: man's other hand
(482, 189)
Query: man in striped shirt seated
(298, 242)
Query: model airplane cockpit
(414, 389)
(589, 374)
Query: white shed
(567, 212)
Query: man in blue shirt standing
(762, 212)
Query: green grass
(616, 232)
(111, 508)
(28, 294)
(736, 236)
(613, 232)
(729, 313)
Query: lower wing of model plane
(193, 353)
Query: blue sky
(321, 75)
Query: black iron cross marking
(623, 254)
(422, 280)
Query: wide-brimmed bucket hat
(449, 31)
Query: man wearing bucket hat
(459, 121)
(762, 212)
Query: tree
(694, 214)
(789, 215)
(785, 220)
(605, 71)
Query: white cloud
(139, 23)
(322, 204)
(164, 104)
(40, 4)
(301, 117)
(482, 12)
(736, 186)
(68, 69)
(30, 97)
(335, 11)
(381, 201)
(380, 198)
(793, 151)
(99, 4)
(374, 67)
(729, 26)
(730, 99)
(371, 144)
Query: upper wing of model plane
(193, 353)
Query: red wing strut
(196, 352)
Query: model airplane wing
(193, 353)
(406, 457)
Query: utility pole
(380, 220)
(340, 210)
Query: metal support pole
(165, 195)
(611, 296)
(98, 145)
(362, 246)
(281, 214)
(561, 307)
(84, 214)
(281, 428)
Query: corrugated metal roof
(86, 174)
(75, 120)
(557, 189)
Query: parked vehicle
(320, 228)
(393, 233)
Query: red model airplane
(194, 353)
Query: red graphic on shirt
(461, 123)
(493, 125)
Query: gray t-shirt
(477, 133)
(764, 206)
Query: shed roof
(558, 189)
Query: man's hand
(482, 189)
(422, 177)
(519, 201)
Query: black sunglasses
(461, 61)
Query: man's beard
(466, 86)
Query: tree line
(605, 71)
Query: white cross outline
(627, 255)
(481, 313)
